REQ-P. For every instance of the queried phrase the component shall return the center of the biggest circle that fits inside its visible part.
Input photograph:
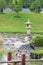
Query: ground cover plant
(37, 51)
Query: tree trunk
(1, 10)
(36, 10)
(17, 15)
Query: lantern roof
(28, 22)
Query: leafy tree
(17, 6)
(36, 6)
(4, 4)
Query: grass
(33, 63)
(37, 51)
(9, 23)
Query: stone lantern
(28, 27)
(28, 35)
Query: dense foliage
(4, 4)
(28, 3)
(36, 6)
(37, 41)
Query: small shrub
(37, 41)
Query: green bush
(37, 41)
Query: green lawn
(9, 23)
(37, 51)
